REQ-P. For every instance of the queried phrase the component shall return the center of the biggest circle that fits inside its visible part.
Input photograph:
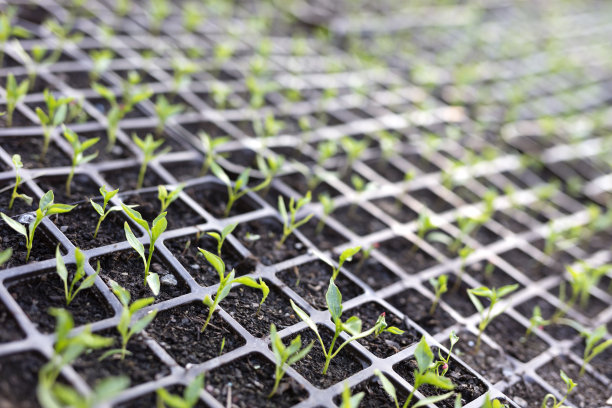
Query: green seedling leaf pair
(240, 187)
(289, 219)
(569, 384)
(158, 226)
(352, 325)
(148, 146)
(354, 149)
(164, 111)
(211, 147)
(350, 401)
(78, 150)
(594, 345)
(440, 286)
(101, 209)
(285, 355)
(18, 164)
(346, 255)
(183, 69)
(101, 62)
(79, 277)
(424, 374)
(487, 315)
(46, 207)
(228, 229)
(190, 396)
(8, 30)
(63, 34)
(126, 328)
(14, 95)
(166, 198)
(536, 321)
(57, 112)
(225, 285)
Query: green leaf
(134, 242)
(300, 354)
(153, 281)
(436, 380)
(302, 315)
(88, 282)
(348, 253)
(109, 387)
(143, 322)
(15, 225)
(423, 355)
(283, 210)
(45, 200)
(140, 304)
(159, 227)
(135, 216)
(5, 255)
(97, 207)
(333, 297)
(59, 209)
(215, 261)
(192, 391)
(432, 400)
(60, 265)
(387, 385)
(120, 292)
(506, 290)
(220, 174)
(352, 325)
(475, 301)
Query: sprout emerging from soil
(14, 94)
(582, 279)
(426, 373)
(63, 34)
(164, 111)
(101, 61)
(592, 349)
(346, 255)
(166, 198)
(328, 207)
(350, 401)
(487, 315)
(211, 147)
(190, 396)
(79, 277)
(443, 362)
(240, 187)
(46, 207)
(220, 238)
(126, 328)
(289, 219)
(225, 285)
(285, 356)
(159, 10)
(183, 69)
(440, 286)
(148, 146)
(8, 30)
(352, 325)
(18, 164)
(78, 150)
(354, 149)
(101, 209)
(569, 383)
(536, 321)
(57, 111)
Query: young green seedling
(166, 198)
(8, 30)
(14, 94)
(57, 111)
(79, 276)
(211, 147)
(159, 10)
(63, 34)
(582, 279)
(289, 219)
(125, 327)
(352, 325)
(101, 61)
(536, 321)
(225, 285)
(164, 111)
(354, 149)
(240, 187)
(183, 69)
(424, 225)
(440, 286)
(569, 384)
(346, 255)
(18, 164)
(592, 349)
(5, 255)
(122, 7)
(424, 374)
(101, 209)
(267, 127)
(46, 207)
(350, 401)
(285, 356)
(328, 207)
(158, 226)
(464, 253)
(487, 315)
(495, 403)
(326, 149)
(221, 237)
(78, 149)
(443, 362)
(189, 399)
(148, 146)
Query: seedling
(440, 286)
(536, 321)
(193, 16)
(268, 126)
(5, 255)
(159, 10)
(424, 225)
(101, 61)
(221, 237)
(125, 329)
(326, 149)
(582, 279)
(158, 226)
(425, 374)
(352, 325)
(79, 276)
(351, 401)
(189, 399)
(240, 187)
(285, 356)
(464, 253)
(14, 94)
(354, 149)
(269, 167)
(569, 384)
(183, 69)
(346, 255)
(57, 110)
(122, 7)
(166, 198)
(211, 147)
(328, 207)
(17, 163)
(78, 149)
(443, 362)
(101, 209)
(8, 30)
(148, 146)
(46, 207)
(164, 111)
(225, 285)
(487, 315)
(62, 36)
(289, 222)
(592, 349)
(62, 395)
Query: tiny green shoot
(79, 277)
(148, 146)
(569, 384)
(18, 164)
(101, 209)
(593, 345)
(285, 355)
(164, 111)
(328, 207)
(440, 286)
(289, 219)
(346, 255)
(211, 146)
(78, 150)
(220, 238)
(350, 401)
(14, 95)
(57, 111)
(166, 198)
(240, 187)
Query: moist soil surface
(357, 220)
(213, 198)
(401, 251)
(19, 205)
(395, 209)
(489, 362)
(127, 178)
(251, 379)
(510, 335)
(416, 306)
(82, 188)
(325, 239)
(19, 373)
(36, 294)
(375, 395)
(185, 343)
(373, 273)
(30, 149)
(558, 331)
(526, 393)
(43, 247)
(11, 330)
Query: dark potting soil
(385, 344)
(127, 269)
(509, 334)
(19, 119)
(10, 328)
(489, 362)
(416, 307)
(311, 280)
(74, 79)
(19, 205)
(401, 251)
(601, 363)
(375, 395)
(242, 304)
(509, 222)
(265, 248)
(589, 392)
(326, 239)
(396, 209)
(127, 178)
(43, 247)
(357, 220)
(431, 200)
(185, 343)
(465, 383)
(178, 214)
(19, 373)
(213, 198)
(299, 183)
(465, 194)
(385, 169)
(530, 267)
(141, 365)
(38, 293)
(526, 393)
(458, 298)
(373, 273)
(184, 170)
(346, 363)
(251, 379)
(558, 331)
(30, 147)
(485, 236)
(82, 188)
(492, 278)
(79, 226)
(150, 400)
